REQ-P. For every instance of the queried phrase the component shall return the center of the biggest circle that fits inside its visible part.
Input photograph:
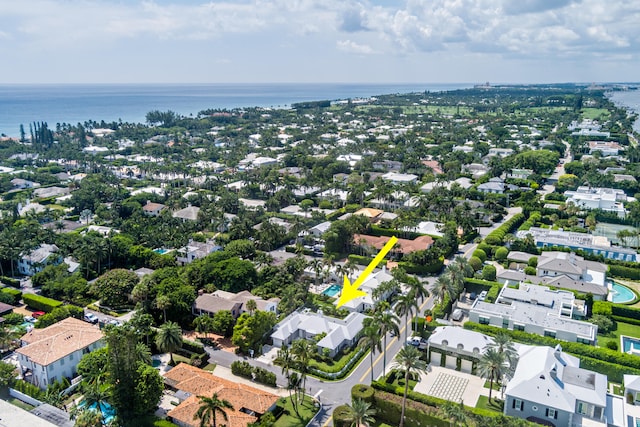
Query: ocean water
(23, 104)
(629, 99)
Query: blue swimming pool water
(161, 251)
(629, 343)
(621, 294)
(332, 291)
(108, 413)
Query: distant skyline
(347, 41)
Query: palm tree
(360, 413)
(285, 358)
(455, 412)
(7, 336)
(503, 343)
(87, 418)
(252, 306)
(443, 286)
(95, 396)
(210, 408)
(303, 351)
(163, 302)
(492, 366)
(143, 354)
(408, 361)
(169, 338)
(371, 340)
(387, 322)
(405, 305)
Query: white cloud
(353, 47)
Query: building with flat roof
(605, 199)
(589, 243)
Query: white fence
(25, 398)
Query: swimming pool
(332, 290)
(630, 345)
(108, 413)
(161, 251)
(621, 294)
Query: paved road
(332, 393)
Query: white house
(371, 283)
(209, 304)
(339, 333)
(195, 250)
(153, 209)
(606, 199)
(400, 178)
(550, 388)
(52, 353)
(36, 260)
(189, 213)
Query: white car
(91, 318)
(30, 319)
(457, 315)
(482, 295)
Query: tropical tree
(503, 343)
(387, 322)
(96, 396)
(163, 302)
(87, 418)
(371, 340)
(455, 412)
(210, 408)
(360, 413)
(143, 354)
(442, 287)
(252, 306)
(285, 358)
(492, 366)
(7, 336)
(405, 305)
(303, 351)
(169, 338)
(409, 362)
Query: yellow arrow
(349, 291)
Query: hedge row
(10, 282)
(623, 311)
(624, 272)
(15, 294)
(496, 236)
(260, 375)
(193, 346)
(28, 389)
(606, 359)
(344, 371)
(533, 219)
(38, 302)
(378, 231)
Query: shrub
(38, 302)
(363, 392)
(624, 272)
(533, 262)
(604, 323)
(479, 253)
(489, 272)
(531, 271)
(10, 282)
(341, 416)
(28, 389)
(602, 307)
(264, 377)
(15, 295)
(475, 263)
(193, 346)
(613, 345)
(13, 319)
(501, 253)
(242, 369)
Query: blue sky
(385, 41)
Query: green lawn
(622, 329)
(618, 390)
(398, 380)
(496, 385)
(332, 365)
(289, 418)
(483, 402)
(20, 404)
(594, 113)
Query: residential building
(549, 388)
(400, 178)
(195, 250)
(403, 246)
(494, 185)
(210, 304)
(249, 403)
(464, 183)
(605, 199)
(190, 213)
(36, 260)
(452, 346)
(606, 148)
(339, 333)
(46, 192)
(520, 173)
(51, 353)
(631, 400)
(370, 284)
(589, 243)
(502, 152)
(153, 209)
(537, 311)
(319, 229)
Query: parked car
(482, 295)
(30, 319)
(37, 314)
(414, 341)
(114, 322)
(457, 315)
(91, 318)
